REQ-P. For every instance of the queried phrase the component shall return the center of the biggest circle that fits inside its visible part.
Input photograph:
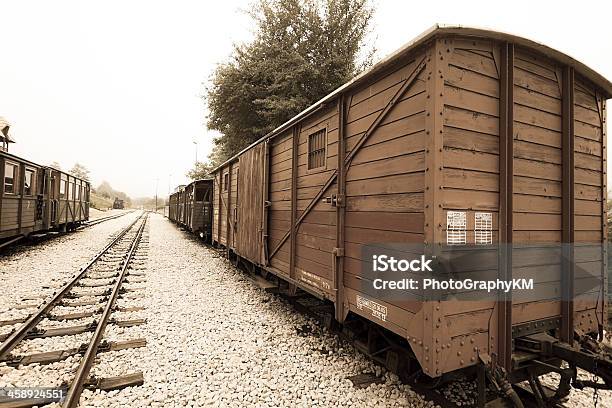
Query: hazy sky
(116, 85)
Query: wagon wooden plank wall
(499, 131)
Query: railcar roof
(31, 163)
(19, 159)
(440, 30)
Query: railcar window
(42, 183)
(78, 193)
(316, 149)
(70, 190)
(225, 181)
(63, 188)
(199, 194)
(28, 182)
(10, 175)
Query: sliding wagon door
(277, 250)
(250, 208)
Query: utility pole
(156, 185)
(196, 151)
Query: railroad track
(44, 236)
(99, 284)
(100, 220)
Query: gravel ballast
(213, 337)
(36, 271)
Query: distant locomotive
(118, 204)
(37, 198)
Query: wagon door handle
(337, 200)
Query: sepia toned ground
(213, 338)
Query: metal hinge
(338, 252)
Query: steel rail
(22, 331)
(97, 221)
(74, 392)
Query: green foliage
(99, 202)
(200, 171)
(55, 165)
(302, 51)
(80, 171)
(105, 190)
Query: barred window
(456, 225)
(483, 228)
(316, 149)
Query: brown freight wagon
(174, 202)
(463, 138)
(173, 207)
(196, 206)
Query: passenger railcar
(37, 198)
(191, 207)
(463, 140)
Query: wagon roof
(440, 30)
(18, 158)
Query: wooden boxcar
(38, 198)
(462, 137)
(191, 207)
(173, 206)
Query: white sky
(116, 85)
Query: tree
(80, 171)
(302, 50)
(105, 190)
(200, 171)
(55, 165)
